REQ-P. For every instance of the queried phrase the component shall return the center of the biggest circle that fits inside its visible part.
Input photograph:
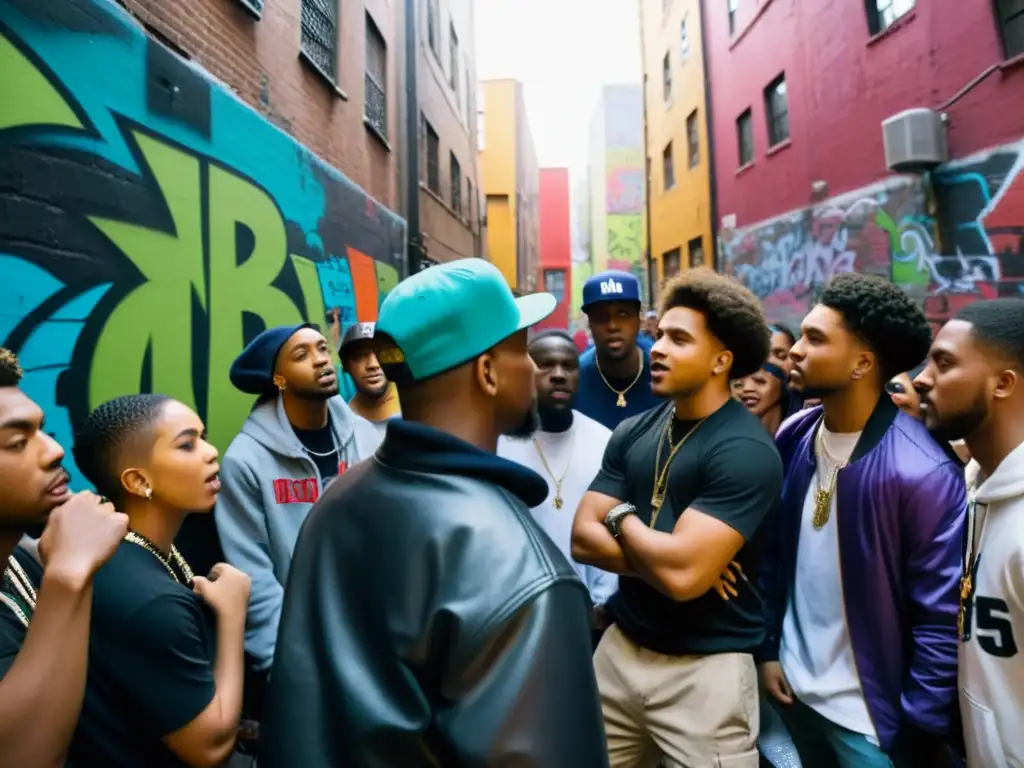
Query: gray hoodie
(268, 485)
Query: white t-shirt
(816, 653)
(991, 669)
(577, 452)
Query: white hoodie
(992, 660)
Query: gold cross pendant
(621, 402)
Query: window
(453, 63)
(320, 34)
(696, 249)
(375, 108)
(434, 27)
(745, 133)
(670, 263)
(554, 283)
(684, 43)
(1011, 25)
(776, 107)
(667, 168)
(469, 200)
(666, 74)
(882, 14)
(433, 145)
(456, 183)
(693, 139)
(733, 7)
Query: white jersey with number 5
(992, 659)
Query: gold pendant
(656, 501)
(961, 617)
(621, 402)
(822, 507)
(965, 587)
(558, 501)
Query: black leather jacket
(428, 621)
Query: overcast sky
(562, 51)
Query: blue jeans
(823, 744)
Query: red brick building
(555, 245)
(799, 91)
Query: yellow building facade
(510, 181)
(675, 122)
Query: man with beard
(566, 451)
(862, 575)
(615, 374)
(376, 399)
(298, 438)
(973, 389)
(429, 619)
(44, 615)
(682, 492)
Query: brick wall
(259, 60)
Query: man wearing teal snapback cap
(428, 619)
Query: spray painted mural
(151, 223)
(947, 245)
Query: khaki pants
(695, 711)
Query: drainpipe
(652, 265)
(412, 129)
(709, 127)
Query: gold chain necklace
(146, 544)
(823, 492)
(621, 402)
(23, 584)
(660, 480)
(557, 480)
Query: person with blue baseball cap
(428, 618)
(615, 373)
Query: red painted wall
(555, 248)
(841, 84)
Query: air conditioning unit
(915, 141)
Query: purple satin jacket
(900, 509)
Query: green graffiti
(156, 316)
(387, 278)
(626, 237)
(26, 94)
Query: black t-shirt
(12, 630)
(321, 441)
(152, 647)
(728, 469)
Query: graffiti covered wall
(151, 223)
(948, 244)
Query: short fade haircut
(551, 333)
(883, 316)
(10, 371)
(732, 313)
(999, 325)
(105, 434)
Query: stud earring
(149, 493)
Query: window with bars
(434, 27)
(433, 148)
(693, 139)
(684, 43)
(776, 108)
(671, 261)
(696, 249)
(882, 14)
(745, 135)
(1011, 26)
(375, 108)
(666, 76)
(453, 55)
(667, 167)
(456, 182)
(320, 34)
(733, 6)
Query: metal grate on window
(320, 33)
(376, 106)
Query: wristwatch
(616, 515)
